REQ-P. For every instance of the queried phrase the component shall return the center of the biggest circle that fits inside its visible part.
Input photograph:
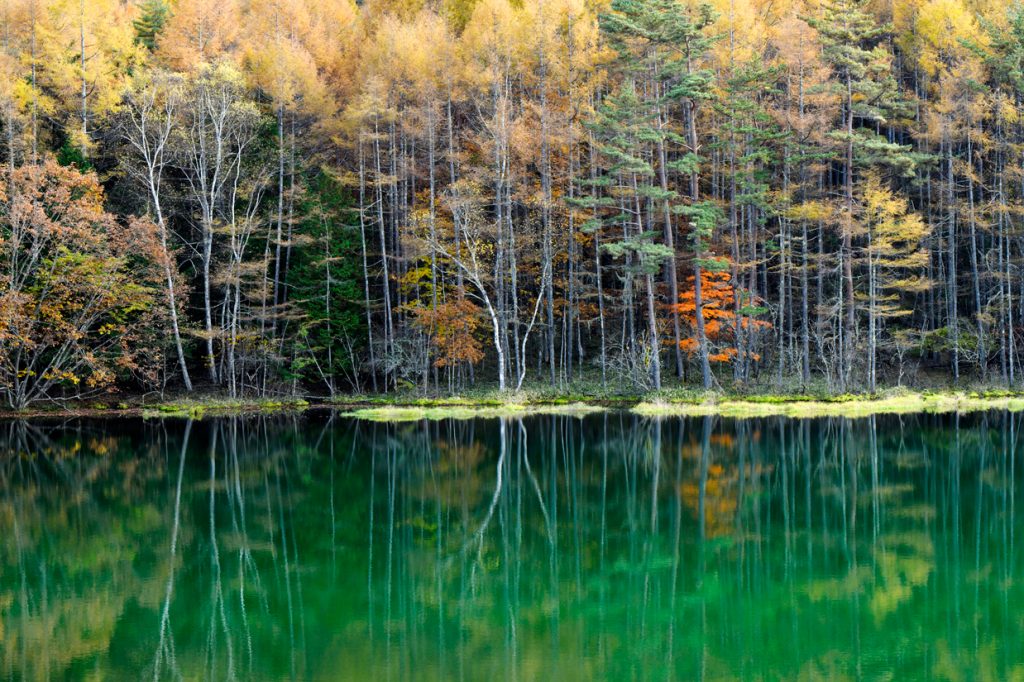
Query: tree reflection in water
(608, 547)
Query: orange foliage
(77, 288)
(719, 316)
(452, 326)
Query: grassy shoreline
(490, 404)
(852, 406)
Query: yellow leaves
(488, 43)
(280, 49)
(894, 249)
(895, 231)
(935, 32)
(411, 56)
(10, 74)
(743, 21)
(221, 72)
(1005, 109)
(810, 211)
(58, 375)
(102, 376)
(62, 63)
(403, 10)
(414, 278)
(199, 31)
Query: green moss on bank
(418, 413)
(686, 402)
(839, 406)
(489, 403)
(199, 408)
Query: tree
(751, 140)
(657, 45)
(199, 31)
(895, 259)
(621, 123)
(723, 326)
(804, 113)
(78, 303)
(212, 147)
(326, 289)
(452, 326)
(149, 116)
(852, 45)
(319, 172)
(86, 54)
(150, 23)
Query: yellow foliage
(935, 31)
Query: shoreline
(411, 408)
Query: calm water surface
(548, 548)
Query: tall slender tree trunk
(670, 242)
(545, 178)
(366, 268)
(652, 322)
(172, 303)
(279, 235)
(597, 267)
(389, 332)
(35, 84)
(975, 278)
(951, 273)
(211, 363)
(872, 316)
(805, 332)
(85, 91)
(847, 246)
(698, 255)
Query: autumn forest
(325, 197)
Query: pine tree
(153, 15)
(622, 124)
(853, 46)
(658, 44)
(753, 145)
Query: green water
(548, 548)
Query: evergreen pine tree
(853, 46)
(657, 44)
(153, 14)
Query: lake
(615, 547)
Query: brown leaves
(452, 326)
(78, 300)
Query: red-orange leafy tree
(452, 328)
(77, 288)
(720, 317)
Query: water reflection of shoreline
(606, 547)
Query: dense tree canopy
(397, 194)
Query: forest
(328, 197)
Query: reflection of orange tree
(720, 489)
(720, 317)
(458, 477)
